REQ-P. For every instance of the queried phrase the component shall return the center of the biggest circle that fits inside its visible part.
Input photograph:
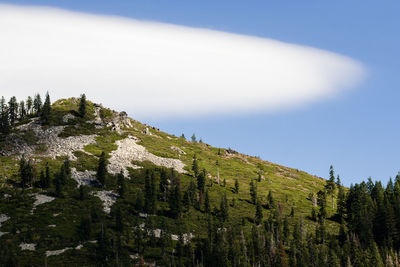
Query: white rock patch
(107, 197)
(129, 150)
(84, 178)
(3, 218)
(41, 199)
(56, 252)
(56, 146)
(27, 246)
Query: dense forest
(150, 221)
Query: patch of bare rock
(84, 178)
(128, 150)
(3, 218)
(48, 137)
(107, 197)
(28, 246)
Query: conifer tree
(194, 138)
(82, 106)
(271, 201)
(207, 207)
(102, 169)
(42, 179)
(330, 185)
(253, 192)
(121, 185)
(12, 107)
(29, 103)
(236, 186)
(175, 199)
(22, 110)
(163, 188)
(224, 208)
(201, 181)
(4, 120)
(259, 213)
(47, 176)
(119, 226)
(37, 104)
(195, 166)
(46, 110)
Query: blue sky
(356, 132)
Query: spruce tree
(330, 185)
(163, 188)
(22, 110)
(29, 104)
(37, 104)
(224, 213)
(46, 110)
(194, 138)
(82, 106)
(121, 185)
(102, 169)
(259, 213)
(12, 107)
(195, 166)
(201, 181)
(119, 226)
(4, 118)
(207, 207)
(253, 192)
(42, 179)
(236, 186)
(47, 176)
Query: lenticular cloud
(156, 70)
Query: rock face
(107, 197)
(84, 178)
(41, 199)
(129, 150)
(3, 218)
(55, 145)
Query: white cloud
(155, 70)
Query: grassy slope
(290, 187)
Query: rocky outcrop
(128, 150)
(84, 178)
(48, 138)
(107, 197)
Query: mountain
(152, 205)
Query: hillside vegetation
(83, 184)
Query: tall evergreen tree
(207, 207)
(102, 169)
(195, 166)
(253, 191)
(330, 185)
(259, 213)
(224, 213)
(4, 118)
(29, 104)
(12, 107)
(37, 104)
(236, 186)
(121, 185)
(82, 106)
(22, 110)
(46, 110)
(163, 188)
(201, 181)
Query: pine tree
(47, 176)
(4, 119)
(163, 188)
(330, 185)
(29, 103)
(195, 166)
(139, 202)
(341, 202)
(271, 201)
(37, 104)
(201, 181)
(42, 179)
(46, 110)
(207, 207)
(82, 106)
(253, 192)
(147, 192)
(12, 107)
(259, 213)
(22, 110)
(194, 138)
(175, 200)
(85, 228)
(121, 185)
(224, 213)
(102, 169)
(119, 226)
(236, 186)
